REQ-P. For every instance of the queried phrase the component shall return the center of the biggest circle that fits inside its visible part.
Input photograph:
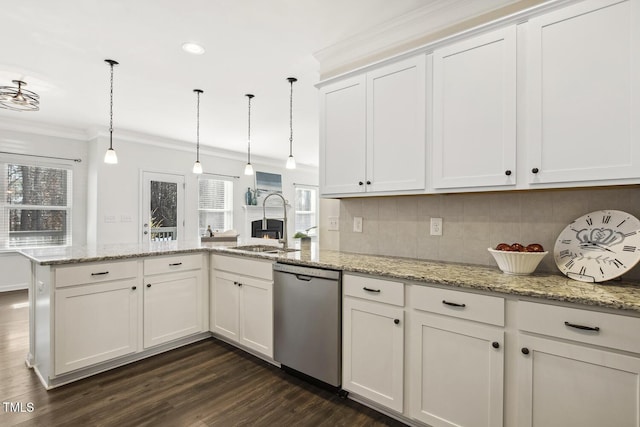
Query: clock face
(598, 246)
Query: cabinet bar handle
(453, 304)
(102, 273)
(582, 327)
(371, 290)
(174, 264)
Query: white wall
(116, 190)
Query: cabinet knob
(396, 321)
(368, 182)
(239, 284)
(525, 350)
(360, 183)
(507, 172)
(133, 288)
(495, 344)
(535, 170)
(148, 285)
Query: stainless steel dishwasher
(308, 321)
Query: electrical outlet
(334, 224)
(109, 218)
(357, 224)
(436, 226)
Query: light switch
(436, 226)
(357, 224)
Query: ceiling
(252, 46)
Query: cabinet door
(373, 351)
(225, 303)
(457, 372)
(256, 314)
(342, 136)
(172, 307)
(95, 323)
(564, 384)
(585, 92)
(474, 112)
(396, 116)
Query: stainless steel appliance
(308, 321)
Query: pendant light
(248, 169)
(291, 162)
(18, 99)
(110, 156)
(197, 167)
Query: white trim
(46, 129)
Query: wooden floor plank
(209, 383)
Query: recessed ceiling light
(193, 48)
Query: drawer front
(244, 266)
(386, 291)
(172, 264)
(603, 329)
(95, 273)
(464, 305)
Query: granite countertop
(618, 295)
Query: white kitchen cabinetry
(584, 93)
(242, 302)
(96, 319)
(174, 298)
(373, 340)
(565, 380)
(474, 112)
(457, 359)
(372, 131)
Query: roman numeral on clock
(629, 248)
(606, 219)
(589, 221)
(565, 241)
(630, 234)
(583, 271)
(617, 263)
(565, 253)
(569, 264)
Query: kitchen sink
(263, 248)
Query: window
(306, 209)
(215, 206)
(36, 207)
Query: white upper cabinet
(396, 126)
(474, 112)
(343, 136)
(584, 93)
(372, 131)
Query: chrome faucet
(283, 238)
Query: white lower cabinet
(456, 366)
(242, 302)
(95, 323)
(564, 380)
(373, 341)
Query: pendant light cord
(111, 110)
(249, 132)
(291, 80)
(198, 129)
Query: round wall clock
(598, 246)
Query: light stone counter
(617, 295)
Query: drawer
(244, 266)
(386, 291)
(613, 331)
(172, 264)
(464, 305)
(81, 274)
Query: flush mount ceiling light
(193, 48)
(197, 167)
(291, 162)
(18, 99)
(248, 169)
(110, 156)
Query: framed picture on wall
(268, 183)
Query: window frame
(315, 204)
(228, 211)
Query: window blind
(215, 204)
(36, 207)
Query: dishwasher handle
(303, 277)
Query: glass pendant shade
(248, 169)
(110, 157)
(291, 162)
(197, 167)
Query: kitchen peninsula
(456, 319)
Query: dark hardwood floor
(209, 383)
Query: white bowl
(517, 263)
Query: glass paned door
(163, 207)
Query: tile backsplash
(473, 222)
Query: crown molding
(398, 33)
(44, 129)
